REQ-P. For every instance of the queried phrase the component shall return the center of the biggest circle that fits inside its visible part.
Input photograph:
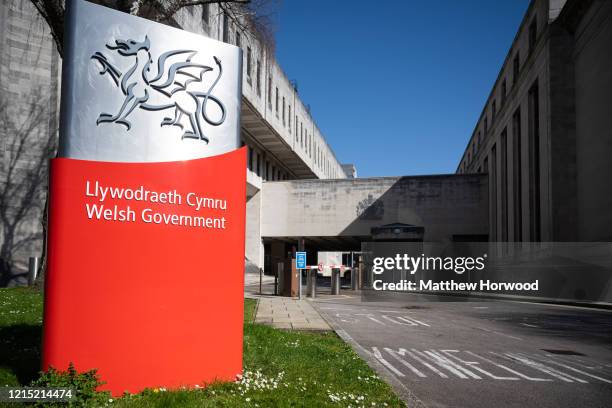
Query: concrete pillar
(335, 281)
(312, 283)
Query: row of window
(506, 157)
(264, 168)
(477, 139)
(282, 109)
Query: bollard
(354, 278)
(299, 272)
(279, 272)
(312, 283)
(335, 283)
(281, 279)
(308, 282)
(32, 270)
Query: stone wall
(29, 66)
(446, 206)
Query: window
(504, 185)
(258, 78)
(486, 124)
(533, 33)
(276, 102)
(534, 163)
(302, 134)
(289, 117)
(516, 66)
(283, 111)
(474, 147)
(258, 165)
(267, 170)
(296, 128)
(249, 65)
(310, 146)
(205, 13)
(273, 173)
(516, 177)
(225, 28)
(493, 111)
(504, 91)
(238, 40)
(479, 138)
(250, 158)
(493, 192)
(270, 92)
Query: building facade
(282, 138)
(29, 106)
(545, 133)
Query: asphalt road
(481, 353)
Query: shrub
(84, 385)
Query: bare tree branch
(243, 13)
(53, 13)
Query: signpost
(300, 260)
(147, 206)
(300, 265)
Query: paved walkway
(287, 313)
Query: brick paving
(288, 313)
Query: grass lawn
(281, 368)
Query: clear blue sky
(396, 86)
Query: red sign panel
(145, 270)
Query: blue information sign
(300, 260)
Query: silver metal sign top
(138, 91)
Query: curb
(404, 392)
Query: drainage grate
(563, 352)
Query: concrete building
(340, 215)
(29, 71)
(534, 170)
(545, 133)
(284, 142)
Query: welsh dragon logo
(141, 80)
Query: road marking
(444, 362)
(440, 363)
(508, 369)
(498, 333)
(404, 320)
(425, 363)
(386, 363)
(581, 363)
(473, 365)
(529, 325)
(538, 366)
(453, 364)
(398, 320)
(576, 370)
(415, 320)
(403, 352)
(339, 316)
(370, 316)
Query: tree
(249, 16)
